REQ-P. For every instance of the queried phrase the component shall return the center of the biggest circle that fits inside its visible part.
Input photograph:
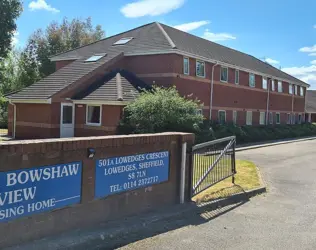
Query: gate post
(233, 162)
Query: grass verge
(247, 178)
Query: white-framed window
(290, 89)
(280, 89)
(288, 120)
(224, 74)
(236, 76)
(295, 89)
(271, 118)
(252, 80)
(299, 118)
(277, 118)
(272, 85)
(293, 118)
(200, 68)
(264, 83)
(222, 116)
(93, 115)
(235, 117)
(262, 118)
(186, 66)
(302, 91)
(249, 118)
(199, 112)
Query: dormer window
(123, 41)
(95, 58)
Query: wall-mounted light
(91, 153)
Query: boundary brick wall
(16, 155)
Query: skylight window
(95, 58)
(123, 41)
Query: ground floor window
(271, 118)
(221, 116)
(93, 115)
(249, 118)
(288, 120)
(293, 118)
(235, 117)
(277, 118)
(262, 118)
(299, 118)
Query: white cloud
(15, 38)
(305, 73)
(42, 5)
(142, 8)
(308, 49)
(312, 54)
(191, 26)
(217, 36)
(271, 61)
(313, 62)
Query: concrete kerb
(262, 145)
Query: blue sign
(29, 191)
(119, 174)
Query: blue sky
(282, 32)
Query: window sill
(200, 76)
(252, 86)
(223, 81)
(94, 124)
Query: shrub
(160, 110)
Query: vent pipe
(119, 87)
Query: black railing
(213, 162)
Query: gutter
(212, 86)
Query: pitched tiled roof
(310, 106)
(151, 38)
(106, 89)
(52, 84)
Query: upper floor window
(186, 66)
(224, 74)
(295, 89)
(290, 89)
(200, 68)
(252, 80)
(302, 91)
(123, 41)
(272, 85)
(280, 86)
(264, 83)
(236, 76)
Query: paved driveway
(284, 218)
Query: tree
(161, 110)
(10, 10)
(59, 38)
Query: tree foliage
(10, 10)
(58, 38)
(161, 110)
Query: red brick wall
(111, 115)
(91, 212)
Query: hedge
(249, 134)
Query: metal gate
(212, 162)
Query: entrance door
(67, 124)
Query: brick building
(84, 96)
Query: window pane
(94, 114)
(237, 76)
(262, 118)
(222, 117)
(200, 68)
(273, 86)
(290, 89)
(302, 91)
(288, 118)
(264, 83)
(186, 66)
(67, 114)
(271, 118)
(252, 80)
(277, 118)
(224, 74)
(235, 117)
(249, 118)
(279, 86)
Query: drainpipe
(293, 92)
(14, 119)
(212, 84)
(268, 101)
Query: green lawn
(247, 178)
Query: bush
(249, 134)
(160, 110)
(3, 113)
